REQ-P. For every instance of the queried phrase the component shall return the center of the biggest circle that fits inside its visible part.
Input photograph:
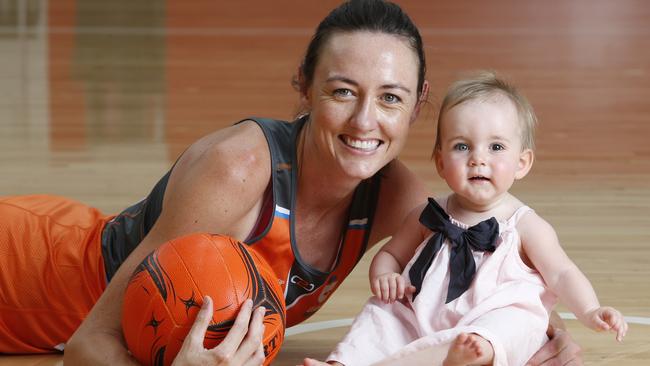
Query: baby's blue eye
(498, 147)
(461, 147)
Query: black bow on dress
(481, 237)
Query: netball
(166, 292)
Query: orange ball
(166, 292)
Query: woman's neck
(320, 187)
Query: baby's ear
(440, 167)
(526, 158)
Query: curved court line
(314, 327)
(629, 319)
(328, 324)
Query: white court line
(314, 327)
(629, 319)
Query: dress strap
(519, 213)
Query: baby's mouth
(479, 178)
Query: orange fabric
(275, 248)
(307, 305)
(52, 270)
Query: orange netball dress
(51, 268)
(56, 255)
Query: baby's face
(481, 154)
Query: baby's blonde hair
(484, 84)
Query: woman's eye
(342, 92)
(498, 147)
(461, 147)
(392, 98)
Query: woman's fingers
(196, 335)
(241, 346)
(236, 334)
(253, 340)
(192, 349)
(257, 358)
(559, 350)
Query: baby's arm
(386, 281)
(541, 248)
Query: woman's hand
(559, 350)
(242, 346)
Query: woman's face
(362, 99)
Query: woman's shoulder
(218, 183)
(236, 149)
(235, 159)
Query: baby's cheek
(503, 172)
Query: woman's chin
(361, 171)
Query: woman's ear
(526, 159)
(303, 89)
(422, 98)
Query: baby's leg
(469, 349)
(377, 332)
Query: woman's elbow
(74, 349)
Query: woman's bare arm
(206, 193)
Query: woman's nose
(365, 115)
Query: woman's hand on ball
(242, 346)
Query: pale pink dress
(507, 303)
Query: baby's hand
(607, 318)
(389, 287)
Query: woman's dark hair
(359, 15)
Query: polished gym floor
(98, 98)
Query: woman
(308, 195)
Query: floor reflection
(107, 75)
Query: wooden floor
(98, 98)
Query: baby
(478, 270)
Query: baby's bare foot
(469, 349)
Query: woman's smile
(365, 145)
